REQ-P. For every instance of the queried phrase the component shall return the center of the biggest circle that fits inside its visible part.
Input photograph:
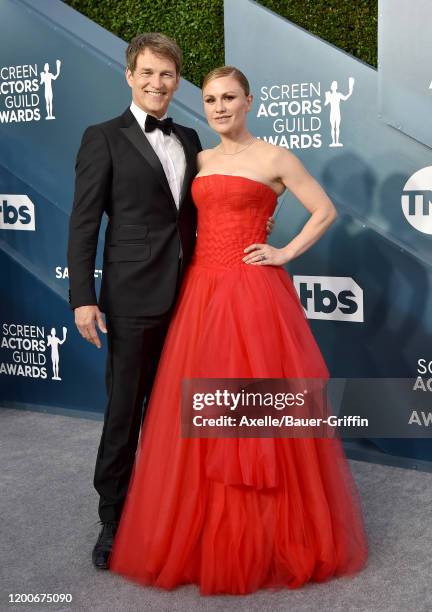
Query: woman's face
(226, 104)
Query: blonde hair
(224, 71)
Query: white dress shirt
(169, 150)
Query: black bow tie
(151, 123)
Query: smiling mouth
(221, 118)
(156, 94)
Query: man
(136, 168)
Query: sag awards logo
(335, 298)
(26, 92)
(17, 212)
(296, 113)
(31, 351)
(63, 273)
(416, 200)
(423, 384)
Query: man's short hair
(159, 44)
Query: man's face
(153, 83)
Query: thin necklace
(248, 145)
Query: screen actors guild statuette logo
(24, 350)
(334, 98)
(46, 79)
(53, 341)
(296, 113)
(21, 87)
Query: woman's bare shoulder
(277, 160)
(204, 156)
(273, 152)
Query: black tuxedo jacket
(118, 173)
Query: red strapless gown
(237, 514)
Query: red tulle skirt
(234, 515)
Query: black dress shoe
(103, 546)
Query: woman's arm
(312, 196)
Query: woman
(237, 514)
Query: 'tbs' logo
(417, 200)
(336, 298)
(17, 212)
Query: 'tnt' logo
(416, 200)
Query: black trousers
(134, 347)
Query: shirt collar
(140, 115)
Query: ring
(263, 257)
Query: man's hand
(270, 225)
(86, 318)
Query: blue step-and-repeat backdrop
(365, 135)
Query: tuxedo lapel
(190, 155)
(135, 135)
